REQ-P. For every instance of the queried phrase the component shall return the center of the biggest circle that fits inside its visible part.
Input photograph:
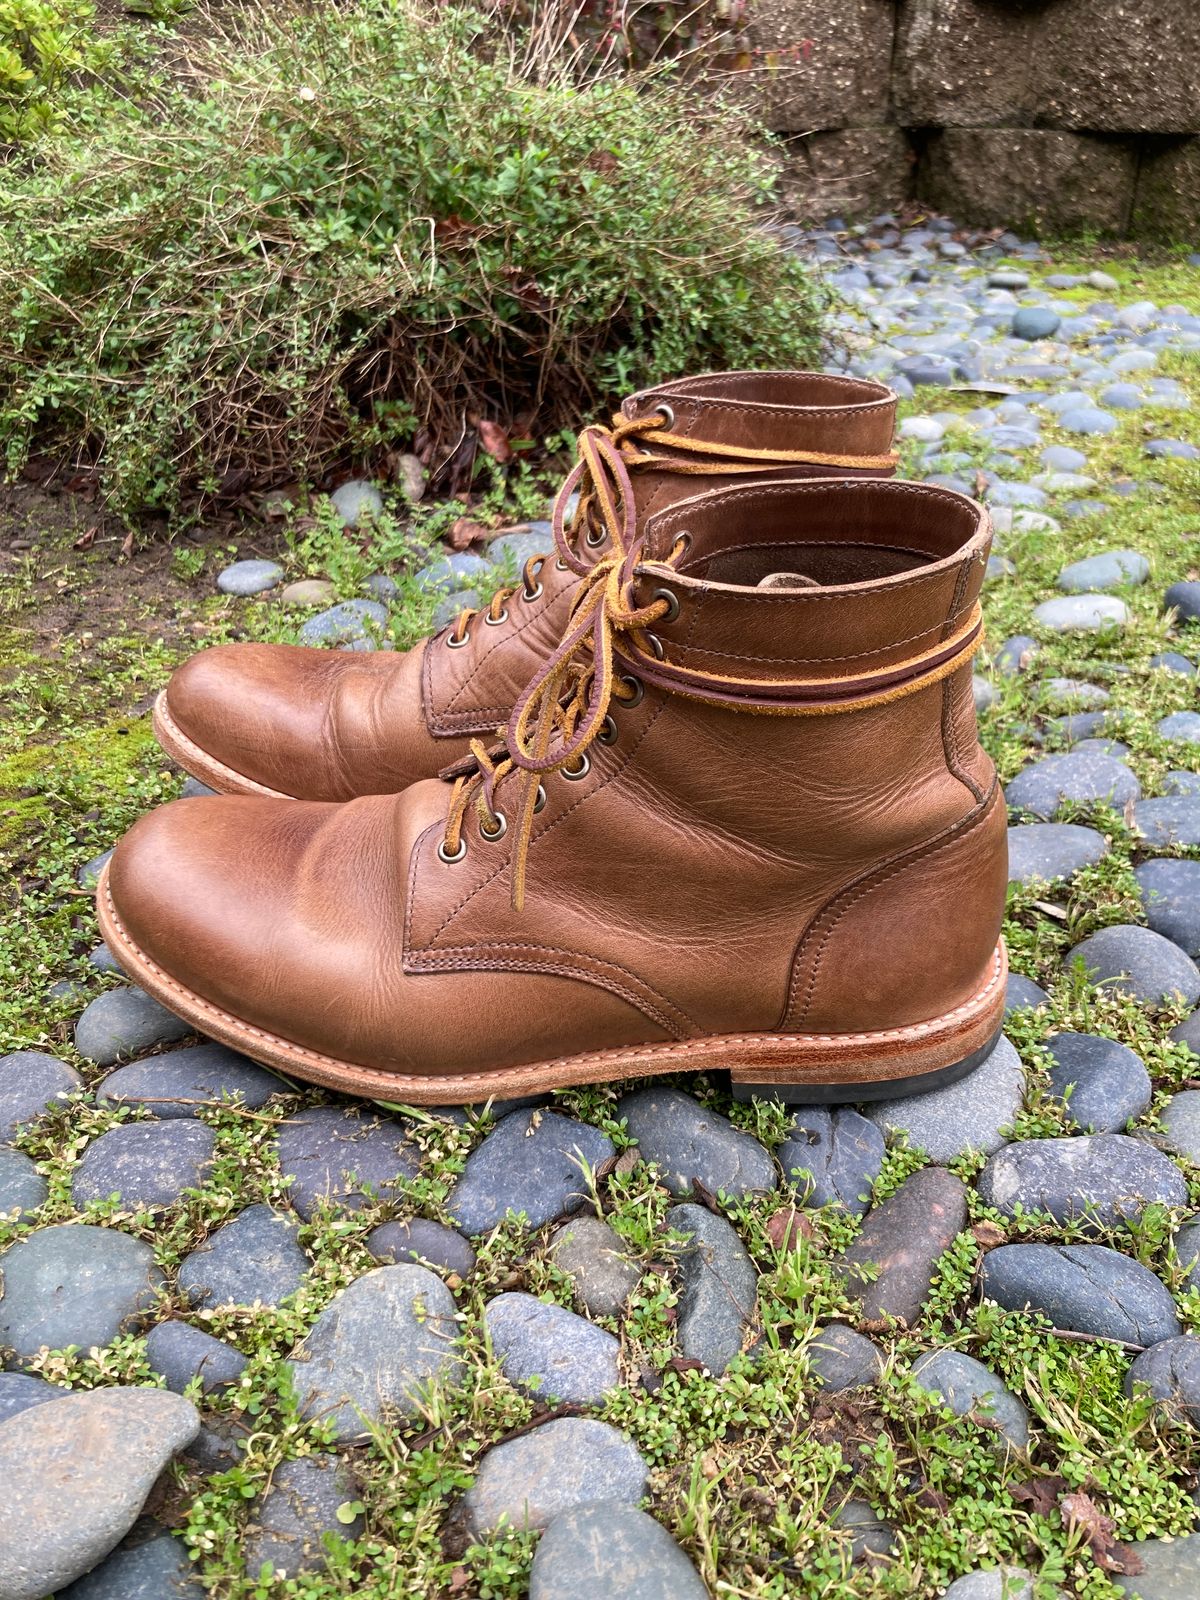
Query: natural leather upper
(333, 725)
(717, 868)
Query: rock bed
(482, 1343)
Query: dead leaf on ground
(787, 1227)
(1081, 1511)
(494, 440)
(465, 531)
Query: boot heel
(799, 1093)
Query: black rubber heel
(826, 1094)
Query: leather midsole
(887, 1056)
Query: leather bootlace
(563, 708)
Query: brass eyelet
(667, 413)
(638, 691)
(608, 732)
(672, 600)
(498, 832)
(444, 854)
(494, 622)
(539, 800)
(656, 646)
(573, 774)
(456, 644)
(530, 595)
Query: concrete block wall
(1053, 113)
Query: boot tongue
(787, 580)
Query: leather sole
(187, 754)
(795, 1066)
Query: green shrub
(354, 221)
(43, 43)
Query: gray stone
(1081, 613)
(1022, 994)
(528, 1481)
(1184, 599)
(1170, 892)
(1181, 725)
(1104, 1084)
(1172, 661)
(351, 622)
(29, 1083)
(1181, 1119)
(904, 1238)
(1088, 420)
(1084, 1288)
(73, 1284)
(971, 1114)
(375, 1347)
(968, 1389)
(1172, 450)
(180, 1083)
(88, 875)
(532, 1163)
(550, 1352)
(22, 1187)
(1096, 1180)
(77, 1472)
(419, 1239)
(1079, 777)
(1016, 655)
(839, 1358)
(870, 1535)
(344, 1159)
(994, 1583)
(125, 1022)
(159, 1569)
(982, 692)
(449, 572)
(288, 1525)
(1170, 820)
(689, 1143)
(1170, 1569)
(145, 1164)
(254, 1259)
(593, 1257)
(1047, 852)
(1035, 322)
(1074, 694)
(1188, 1032)
(180, 1353)
(1139, 962)
(308, 592)
(1062, 458)
(718, 1300)
(356, 501)
(611, 1549)
(1171, 1372)
(832, 1157)
(1115, 569)
(250, 577)
(1178, 782)
(20, 1390)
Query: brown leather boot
(328, 725)
(732, 826)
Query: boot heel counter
(910, 940)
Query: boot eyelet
(635, 684)
(445, 855)
(560, 563)
(539, 800)
(672, 600)
(494, 622)
(594, 539)
(656, 646)
(456, 644)
(498, 832)
(530, 595)
(608, 732)
(581, 771)
(667, 413)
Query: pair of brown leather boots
(703, 792)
